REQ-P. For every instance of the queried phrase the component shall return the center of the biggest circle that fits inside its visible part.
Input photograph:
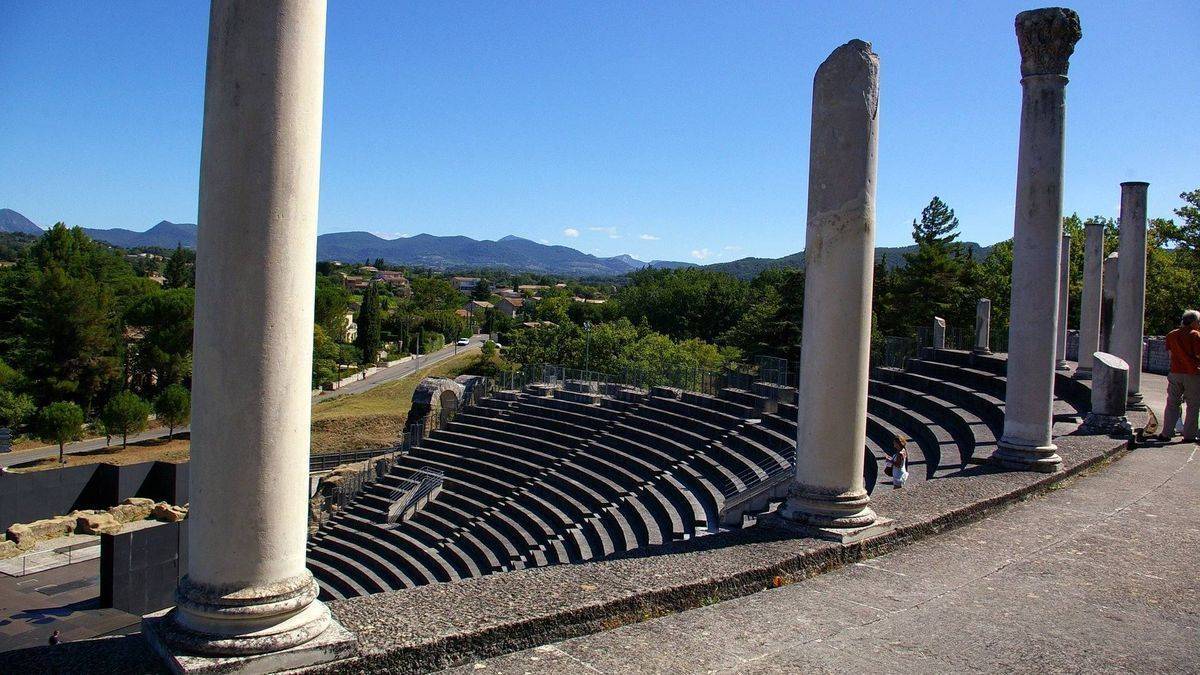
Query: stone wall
(1155, 358)
(26, 497)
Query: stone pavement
(1099, 575)
(65, 599)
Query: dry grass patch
(374, 418)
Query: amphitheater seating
(562, 475)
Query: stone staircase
(553, 475)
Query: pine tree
(180, 269)
(930, 284)
(369, 323)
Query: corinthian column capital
(1046, 38)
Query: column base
(981, 351)
(1134, 402)
(1062, 365)
(842, 535)
(1021, 457)
(814, 507)
(1112, 425)
(1083, 374)
(165, 635)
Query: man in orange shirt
(1183, 383)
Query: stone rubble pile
(22, 537)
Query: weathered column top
(1135, 183)
(1046, 38)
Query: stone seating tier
(552, 476)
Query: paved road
(1101, 575)
(357, 387)
(401, 370)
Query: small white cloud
(570, 232)
(391, 235)
(649, 237)
(701, 253)
(733, 248)
(610, 231)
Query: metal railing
(422, 483)
(701, 380)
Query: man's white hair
(1190, 317)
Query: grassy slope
(371, 419)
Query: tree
(174, 407)
(1187, 234)
(369, 321)
(59, 423)
(931, 281)
(164, 321)
(125, 413)
(180, 271)
(15, 409)
(330, 307)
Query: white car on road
(463, 342)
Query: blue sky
(663, 130)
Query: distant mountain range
(458, 252)
(748, 268)
(11, 221)
(423, 250)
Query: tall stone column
(1108, 300)
(828, 490)
(1131, 287)
(1064, 298)
(1089, 301)
(1046, 38)
(983, 327)
(247, 590)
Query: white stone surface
(1110, 377)
(1064, 297)
(1108, 300)
(939, 333)
(1090, 299)
(829, 490)
(983, 326)
(248, 590)
(1131, 285)
(1046, 38)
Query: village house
(477, 307)
(510, 306)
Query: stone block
(27, 534)
(8, 549)
(168, 513)
(97, 523)
(130, 511)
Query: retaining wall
(25, 497)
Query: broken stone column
(1131, 289)
(248, 592)
(1046, 38)
(1064, 297)
(1108, 300)
(939, 333)
(983, 327)
(1089, 301)
(1110, 383)
(828, 490)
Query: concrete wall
(140, 568)
(26, 497)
